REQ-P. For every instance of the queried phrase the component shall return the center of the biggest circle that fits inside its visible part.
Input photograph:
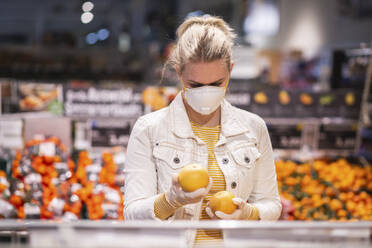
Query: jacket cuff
(162, 208)
(254, 214)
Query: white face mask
(204, 99)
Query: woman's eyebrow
(215, 82)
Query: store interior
(76, 75)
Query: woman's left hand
(244, 211)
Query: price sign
(241, 99)
(110, 133)
(125, 102)
(286, 136)
(337, 136)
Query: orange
(335, 204)
(16, 200)
(193, 177)
(222, 201)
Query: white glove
(177, 197)
(210, 213)
(244, 211)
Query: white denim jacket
(162, 142)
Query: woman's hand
(177, 197)
(244, 211)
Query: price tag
(33, 178)
(112, 195)
(94, 168)
(32, 210)
(47, 149)
(119, 158)
(56, 206)
(110, 133)
(286, 136)
(337, 136)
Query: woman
(200, 126)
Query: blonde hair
(202, 39)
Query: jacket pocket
(169, 155)
(245, 155)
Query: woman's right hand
(177, 197)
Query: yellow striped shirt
(210, 136)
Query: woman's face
(197, 74)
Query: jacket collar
(231, 124)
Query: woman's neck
(211, 120)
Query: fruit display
(261, 98)
(326, 99)
(193, 177)
(41, 179)
(284, 97)
(350, 98)
(306, 99)
(222, 201)
(46, 184)
(325, 190)
(7, 210)
(100, 188)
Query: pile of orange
(30, 161)
(56, 187)
(326, 190)
(94, 193)
(4, 184)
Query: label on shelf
(262, 102)
(239, 99)
(110, 133)
(286, 136)
(47, 149)
(337, 136)
(11, 133)
(350, 104)
(284, 104)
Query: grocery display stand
(366, 105)
(301, 141)
(173, 234)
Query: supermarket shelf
(25, 115)
(314, 121)
(104, 224)
(173, 234)
(309, 155)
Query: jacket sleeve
(140, 175)
(265, 194)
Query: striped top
(210, 136)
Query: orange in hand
(222, 201)
(193, 177)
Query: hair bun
(203, 38)
(206, 20)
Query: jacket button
(233, 185)
(176, 160)
(225, 161)
(247, 160)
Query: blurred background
(75, 76)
